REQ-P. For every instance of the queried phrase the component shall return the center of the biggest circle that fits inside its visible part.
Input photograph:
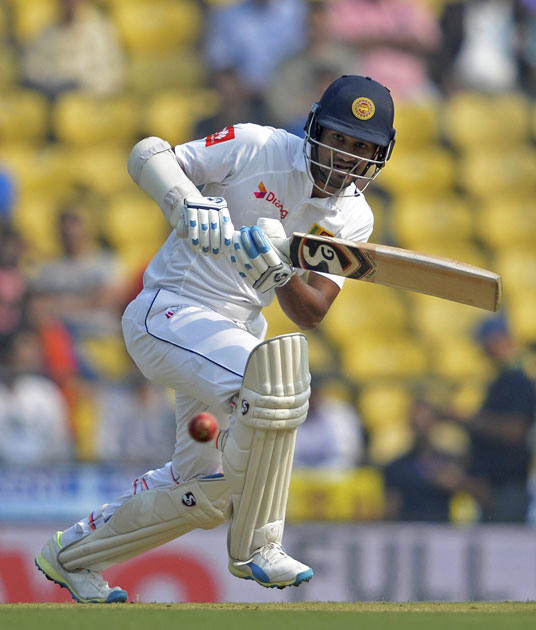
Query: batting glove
(206, 225)
(257, 261)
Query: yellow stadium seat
(361, 309)
(376, 356)
(434, 318)
(9, 68)
(100, 167)
(278, 322)
(459, 359)
(135, 227)
(522, 317)
(384, 404)
(517, 267)
(172, 114)
(83, 119)
(150, 72)
(35, 218)
(158, 26)
(466, 397)
(417, 124)
(508, 221)
(428, 170)
(323, 356)
(30, 17)
(492, 171)
(417, 218)
(389, 442)
(473, 119)
(24, 116)
(37, 170)
(319, 495)
(382, 211)
(107, 355)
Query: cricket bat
(398, 268)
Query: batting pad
(259, 452)
(150, 519)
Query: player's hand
(207, 225)
(257, 261)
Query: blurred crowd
(421, 410)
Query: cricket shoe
(270, 566)
(85, 586)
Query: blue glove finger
(248, 243)
(257, 235)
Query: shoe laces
(272, 552)
(96, 579)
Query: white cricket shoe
(270, 566)
(85, 586)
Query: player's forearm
(303, 303)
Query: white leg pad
(150, 519)
(259, 452)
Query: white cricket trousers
(198, 353)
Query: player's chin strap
(259, 452)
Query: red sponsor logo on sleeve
(220, 136)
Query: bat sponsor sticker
(335, 258)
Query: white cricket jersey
(261, 172)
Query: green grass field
(310, 616)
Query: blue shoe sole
(302, 577)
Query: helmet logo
(363, 108)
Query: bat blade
(398, 268)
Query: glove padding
(207, 225)
(257, 260)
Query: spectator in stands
(484, 54)
(34, 422)
(395, 39)
(253, 37)
(332, 436)
(525, 17)
(8, 195)
(420, 484)
(234, 106)
(308, 72)
(135, 421)
(85, 283)
(443, 58)
(81, 51)
(13, 283)
(500, 431)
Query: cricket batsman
(197, 327)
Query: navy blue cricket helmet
(358, 107)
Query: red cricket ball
(203, 427)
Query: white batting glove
(275, 232)
(207, 225)
(257, 261)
